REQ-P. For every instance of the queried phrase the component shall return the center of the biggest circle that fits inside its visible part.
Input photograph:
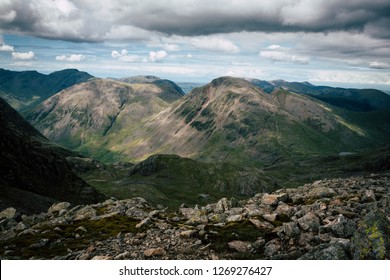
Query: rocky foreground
(328, 219)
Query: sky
(325, 42)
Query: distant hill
(171, 91)
(89, 115)
(34, 171)
(25, 89)
(360, 100)
(141, 79)
(188, 86)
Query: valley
(145, 143)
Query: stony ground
(328, 219)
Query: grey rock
(272, 248)
(188, 233)
(86, 212)
(270, 217)
(368, 196)
(59, 207)
(101, 258)
(326, 252)
(222, 205)
(270, 199)
(262, 225)
(21, 226)
(9, 213)
(320, 192)
(153, 252)
(41, 243)
(234, 218)
(343, 227)
(291, 229)
(310, 222)
(144, 223)
(371, 240)
(124, 256)
(240, 246)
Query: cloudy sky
(321, 41)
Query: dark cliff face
(34, 172)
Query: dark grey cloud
(99, 20)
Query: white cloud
(8, 16)
(274, 47)
(171, 47)
(284, 56)
(23, 56)
(216, 44)
(349, 77)
(157, 56)
(6, 48)
(189, 55)
(379, 65)
(124, 56)
(71, 58)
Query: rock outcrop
(328, 219)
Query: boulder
(326, 252)
(320, 192)
(343, 227)
(9, 213)
(310, 222)
(153, 252)
(239, 246)
(372, 238)
(59, 207)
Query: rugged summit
(34, 172)
(23, 90)
(328, 219)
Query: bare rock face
(330, 221)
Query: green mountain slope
(171, 180)
(227, 120)
(231, 120)
(87, 116)
(23, 90)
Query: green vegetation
(61, 239)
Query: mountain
(88, 115)
(232, 120)
(170, 90)
(25, 89)
(227, 120)
(141, 79)
(350, 99)
(34, 172)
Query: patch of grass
(60, 241)
(243, 231)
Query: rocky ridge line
(328, 219)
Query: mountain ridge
(229, 119)
(25, 89)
